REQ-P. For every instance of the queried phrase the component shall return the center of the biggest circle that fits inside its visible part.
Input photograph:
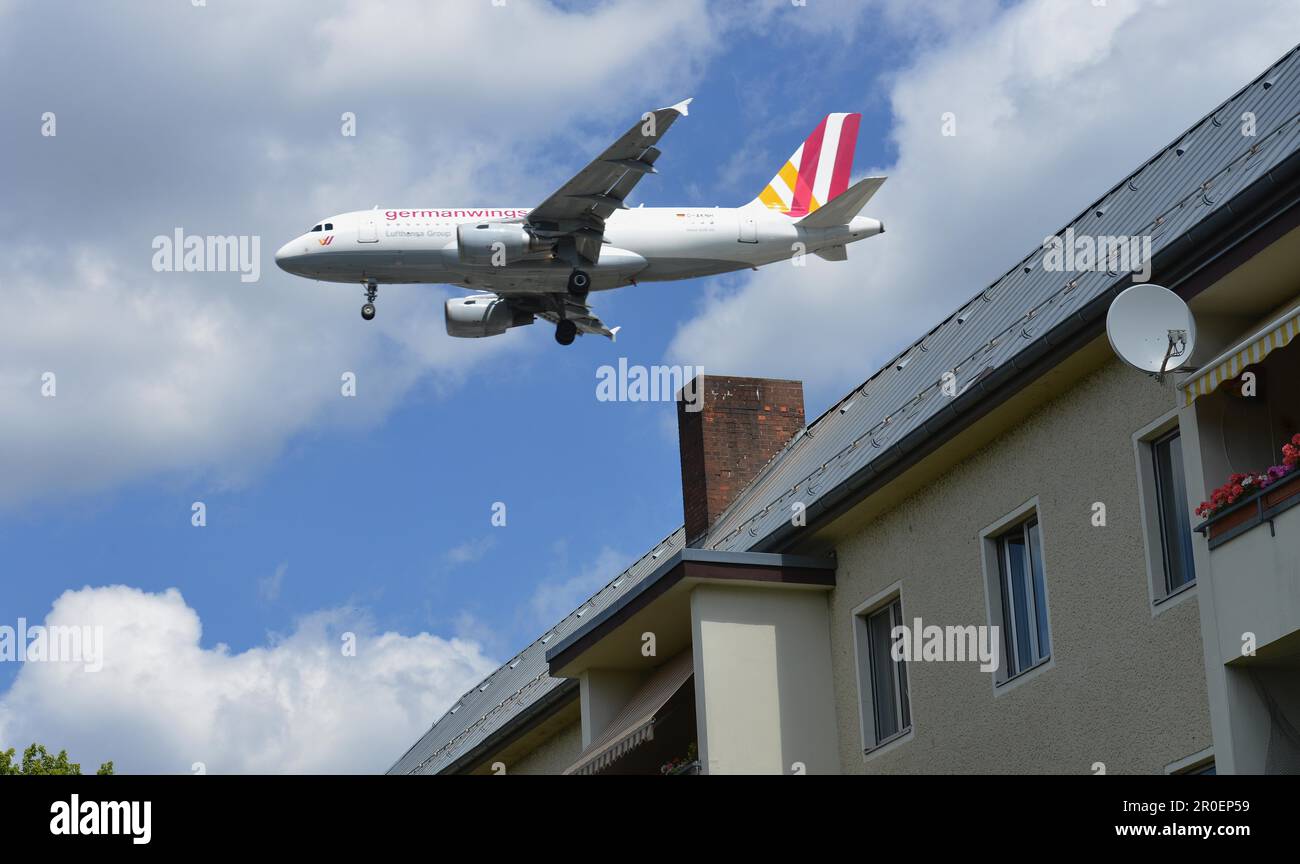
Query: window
(314, 228)
(886, 712)
(1166, 518)
(329, 226)
(1171, 508)
(1026, 640)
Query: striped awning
(1231, 364)
(635, 724)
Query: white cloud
(162, 702)
(269, 587)
(1054, 103)
(470, 551)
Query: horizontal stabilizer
(833, 253)
(842, 209)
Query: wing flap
(580, 314)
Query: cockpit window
(317, 228)
(329, 226)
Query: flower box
(1283, 491)
(1250, 498)
(1253, 509)
(1217, 526)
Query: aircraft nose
(284, 255)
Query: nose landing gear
(368, 310)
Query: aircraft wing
(579, 208)
(580, 314)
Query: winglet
(681, 107)
(613, 333)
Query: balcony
(1254, 555)
(1238, 421)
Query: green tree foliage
(38, 760)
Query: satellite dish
(1151, 329)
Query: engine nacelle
(482, 315)
(495, 244)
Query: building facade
(989, 557)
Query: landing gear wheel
(368, 310)
(565, 332)
(579, 283)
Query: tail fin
(818, 171)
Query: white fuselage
(643, 244)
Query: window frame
(991, 547)
(1035, 604)
(889, 599)
(1165, 554)
(1152, 518)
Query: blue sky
(371, 517)
(376, 511)
(368, 517)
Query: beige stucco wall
(1126, 689)
(553, 755)
(763, 690)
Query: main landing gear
(579, 283)
(565, 331)
(368, 310)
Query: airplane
(542, 262)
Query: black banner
(214, 813)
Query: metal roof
(492, 704)
(1178, 189)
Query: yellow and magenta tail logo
(818, 171)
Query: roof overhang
(661, 605)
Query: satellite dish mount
(1177, 348)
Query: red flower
(1239, 484)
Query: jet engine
(482, 315)
(495, 244)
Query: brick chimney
(740, 424)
